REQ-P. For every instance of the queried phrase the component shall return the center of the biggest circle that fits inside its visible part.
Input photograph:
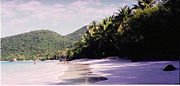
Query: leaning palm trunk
(115, 45)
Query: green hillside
(41, 43)
(77, 35)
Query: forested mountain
(77, 35)
(41, 43)
(149, 30)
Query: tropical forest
(149, 30)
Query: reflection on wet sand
(79, 74)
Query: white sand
(126, 72)
(117, 71)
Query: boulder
(96, 79)
(169, 68)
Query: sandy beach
(119, 71)
(79, 74)
(93, 72)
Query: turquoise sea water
(26, 72)
(11, 67)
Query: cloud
(7, 10)
(42, 12)
(80, 3)
(29, 6)
(35, 12)
(23, 20)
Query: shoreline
(97, 72)
(79, 74)
(26, 73)
(28, 61)
(120, 71)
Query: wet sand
(78, 74)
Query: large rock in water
(169, 68)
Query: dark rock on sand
(79, 74)
(169, 68)
(96, 79)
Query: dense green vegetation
(77, 35)
(148, 30)
(42, 44)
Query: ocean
(26, 72)
(116, 72)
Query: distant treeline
(42, 44)
(149, 30)
(77, 35)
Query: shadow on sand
(79, 74)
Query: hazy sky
(61, 16)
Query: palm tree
(122, 15)
(92, 28)
(142, 4)
(107, 30)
